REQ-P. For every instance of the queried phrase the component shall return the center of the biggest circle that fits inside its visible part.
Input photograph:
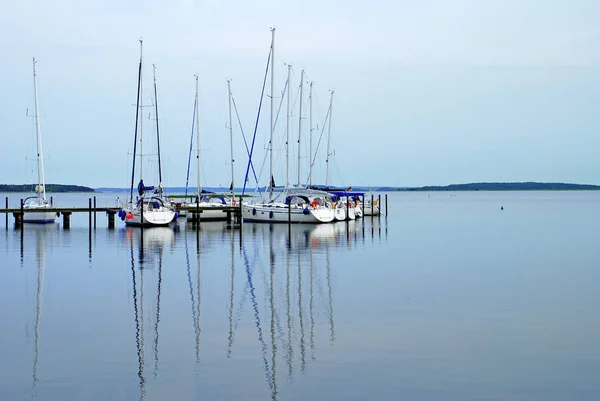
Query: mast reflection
(151, 243)
(306, 276)
(41, 236)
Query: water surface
(447, 298)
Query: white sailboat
(38, 202)
(344, 208)
(211, 206)
(295, 205)
(149, 208)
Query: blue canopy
(346, 193)
(289, 198)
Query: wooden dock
(233, 213)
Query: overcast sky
(427, 92)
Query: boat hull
(207, 215)
(371, 210)
(272, 213)
(342, 213)
(38, 214)
(39, 217)
(150, 218)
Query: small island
(509, 186)
(54, 188)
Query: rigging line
(157, 133)
(320, 137)
(257, 118)
(280, 103)
(137, 113)
(266, 154)
(245, 141)
(337, 168)
(187, 179)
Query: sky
(426, 92)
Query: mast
(310, 136)
(231, 142)
(157, 132)
(141, 124)
(300, 123)
(272, 112)
(328, 141)
(41, 187)
(137, 112)
(287, 129)
(198, 139)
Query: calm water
(448, 298)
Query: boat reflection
(284, 277)
(305, 275)
(151, 244)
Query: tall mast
(300, 123)
(41, 187)
(272, 112)
(287, 128)
(310, 136)
(328, 141)
(157, 133)
(141, 123)
(198, 139)
(231, 141)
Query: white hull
(160, 216)
(370, 210)
(281, 213)
(207, 214)
(39, 216)
(342, 213)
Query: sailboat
(203, 199)
(149, 207)
(295, 205)
(38, 202)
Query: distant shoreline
(53, 188)
(510, 186)
(479, 186)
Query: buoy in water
(501, 207)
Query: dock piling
(363, 205)
(66, 220)
(90, 212)
(372, 206)
(198, 214)
(19, 216)
(51, 201)
(94, 212)
(379, 205)
(386, 206)
(111, 219)
(6, 213)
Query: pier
(233, 213)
